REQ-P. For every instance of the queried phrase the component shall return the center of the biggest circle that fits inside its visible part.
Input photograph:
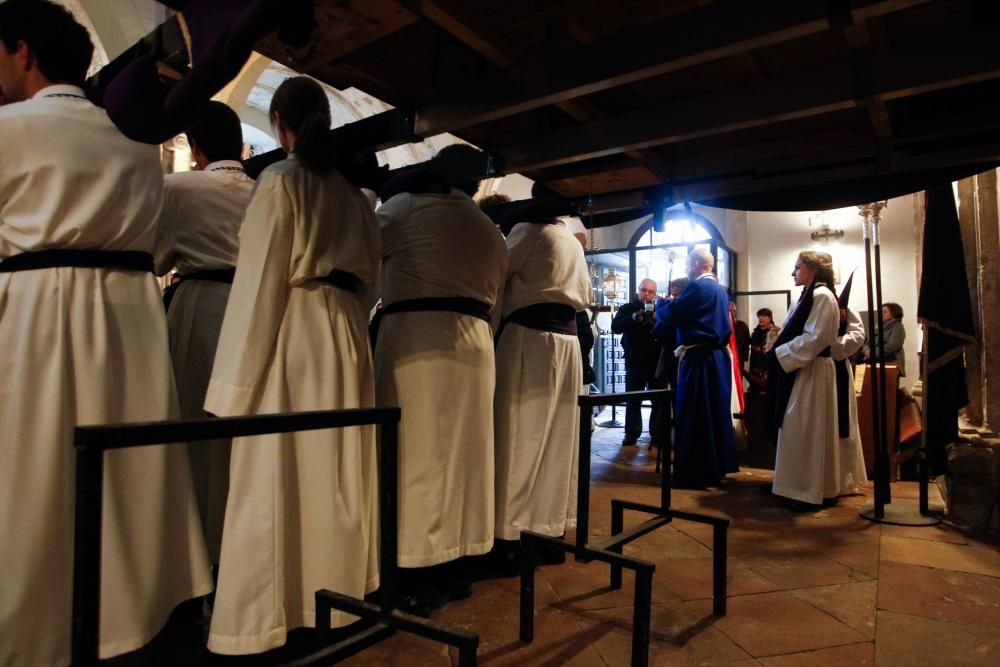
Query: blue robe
(704, 448)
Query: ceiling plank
(709, 33)
(896, 74)
(473, 37)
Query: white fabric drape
(199, 229)
(84, 346)
(302, 509)
(808, 440)
(539, 374)
(850, 459)
(439, 368)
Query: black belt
(825, 352)
(462, 305)
(343, 280)
(552, 317)
(126, 260)
(214, 275)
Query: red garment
(737, 373)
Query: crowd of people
(476, 342)
(270, 314)
(802, 367)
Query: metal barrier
(92, 441)
(610, 550)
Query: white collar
(60, 90)
(224, 166)
(708, 275)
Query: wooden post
(968, 221)
(989, 254)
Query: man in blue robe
(704, 449)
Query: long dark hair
(305, 109)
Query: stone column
(968, 218)
(989, 254)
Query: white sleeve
(851, 341)
(819, 332)
(167, 226)
(256, 302)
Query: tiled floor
(823, 588)
(827, 588)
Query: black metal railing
(610, 550)
(92, 441)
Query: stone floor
(823, 588)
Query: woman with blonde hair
(802, 394)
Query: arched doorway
(658, 249)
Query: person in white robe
(199, 237)
(808, 441)
(302, 510)
(539, 377)
(82, 346)
(440, 255)
(848, 458)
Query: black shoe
(629, 442)
(799, 507)
(505, 559)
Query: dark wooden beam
(474, 36)
(896, 74)
(719, 30)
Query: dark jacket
(640, 346)
(758, 362)
(895, 335)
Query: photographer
(634, 321)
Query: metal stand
(882, 510)
(610, 549)
(92, 441)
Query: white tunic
(539, 374)
(849, 459)
(439, 368)
(302, 511)
(808, 438)
(199, 229)
(84, 346)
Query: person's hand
(637, 316)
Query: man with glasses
(634, 321)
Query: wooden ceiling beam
(719, 30)
(896, 74)
(472, 36)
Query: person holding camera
(634, 321)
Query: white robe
(199, 229)
(439, 368)
(849, 461)
(84, 346)
(805, 466)
(302, 511)
(539, 374)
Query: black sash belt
(126, 260)
(343, 280)
(453, 304)
(214, 275)
(844, 394)
(824, 353)
(553, 317)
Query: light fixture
(612, 284)
(826, 234)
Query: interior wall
(775, 239)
